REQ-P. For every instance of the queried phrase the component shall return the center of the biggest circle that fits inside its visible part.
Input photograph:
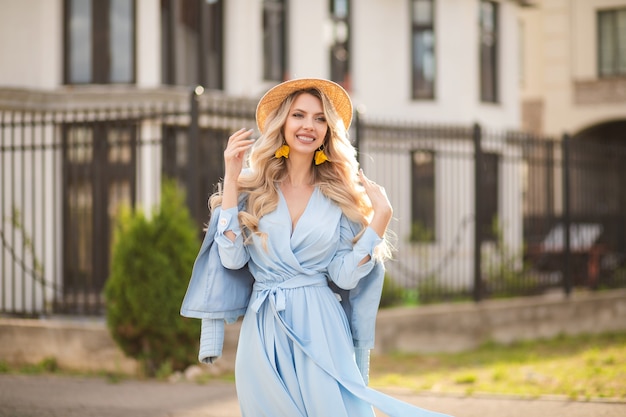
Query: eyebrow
(303, 111)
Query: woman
(303, 220)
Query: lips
(306, 139)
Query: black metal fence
(543, 213)
(483, 214)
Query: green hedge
(150, 268)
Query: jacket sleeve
(234, 255)
(362, 359)
(344, 269)
(211, 340)
(215, 292)
(364, 301)
(359, 287)
(361, 306)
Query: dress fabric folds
(296, 355)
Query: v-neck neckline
(293, 226)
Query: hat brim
(276, 95)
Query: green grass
(580, 367)
(49, 366)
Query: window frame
(96, 157)
(418, 85)
(208, 38)
(490, 193)
(489, 84)
(423, 219)
(615, 70)
(340, 70)
(101, 70)
(275, 61)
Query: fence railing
(482, 213)
(478, 214)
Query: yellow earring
(320, 156)
(283, 151)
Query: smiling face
(306, 125)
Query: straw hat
(275, 96)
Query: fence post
(478, 238)
(567, 267)
(193, 153)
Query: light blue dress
(295, 356)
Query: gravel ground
(66, 396)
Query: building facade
(424, 60)
(442, 62)
(573, 68)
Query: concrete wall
(454, 328)
(82, 346)
(438, 328)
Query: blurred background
(497, 127)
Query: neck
(299, 172)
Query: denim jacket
(218, 295)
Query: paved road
(64, 396)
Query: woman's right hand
(238, 144)
(380, 203)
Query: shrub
(393, 294)
(151, 264)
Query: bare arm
(238, 144)
(381, 205)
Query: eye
(297, 115)
(321, 119)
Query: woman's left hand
(380, 203)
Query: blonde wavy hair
(336, 179)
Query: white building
(435, 61)
(418, 60)
(573, 76)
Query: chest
(296, 200)
(312, 223)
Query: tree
(151, 264)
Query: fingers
(238, 143)
(241, 138)
(241, 134)
(364, 179)
(373, 190)
(367, 183)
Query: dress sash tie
(275, 291)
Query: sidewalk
(66, 396)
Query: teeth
(305, 138)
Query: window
(274, 40)
(99, 162)
(422, 196)
(99, 41)
(192, 43)
(488, 51)
(521, 45)
(423, 49)
(489, 194)
(340, 48)
(612, 43)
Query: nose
(307, 123)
